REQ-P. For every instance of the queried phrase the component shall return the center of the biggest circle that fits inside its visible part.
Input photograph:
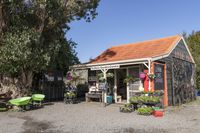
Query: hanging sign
(105, 67)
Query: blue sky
(128, 21)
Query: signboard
(92, 78)
(103, 86)
(105, 67)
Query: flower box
(158, 113)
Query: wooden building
(168, 59)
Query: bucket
(109, 99)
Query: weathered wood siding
(180, 75)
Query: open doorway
(121, 86)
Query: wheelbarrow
(23, 103)
(4, 98)
(37, 99)
(3, 106)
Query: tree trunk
(27, 79)
(1, 19)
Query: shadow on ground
(32, 126)
(132, 130)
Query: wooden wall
(180, 75)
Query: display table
(89, 96)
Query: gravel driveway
(94, 118)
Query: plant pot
(124, 110)
(158, 113)
(69, 100)
(128, 109)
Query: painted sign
(105, 67)
(92, 78)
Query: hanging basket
(142, 75)
(151, 76)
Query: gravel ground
(94, 118)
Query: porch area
(117, 83)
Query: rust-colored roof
(146, 49)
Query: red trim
(146, 82)
(165, 82)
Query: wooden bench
(90, 96)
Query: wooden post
(105, 92)
(115, 85)
(152, 81)
(149, 68)
(127, 86)
(165, 86)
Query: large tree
(193, 41)
(32, 35)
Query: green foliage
(69, 95)
(33, 34)
(101, 76)
(149, 99)
(133, 99)
(144, 99)
(193, 41)
(145, 110)
(152, 76)
(126, 108)
(128, 79)
(19, 52)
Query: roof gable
(146, 49)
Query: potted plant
(143, 99)
(73, 78)
(154, 99)
(151, 76)
(102, 78)
(149, 100)
(128, 79)
(69, 97)
(142, 75)
(127, 108)
(133, 100)
(145, 111)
